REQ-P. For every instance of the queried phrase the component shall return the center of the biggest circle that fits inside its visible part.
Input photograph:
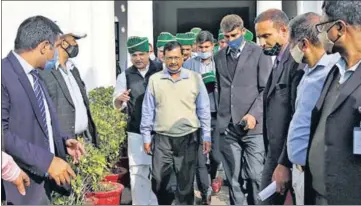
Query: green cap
(248, 36)
(164, 38)
(185, 38)
(137, 44)
(196, 30)
(220, 35)
(216, 48)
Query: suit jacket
(24, 135)
(243, 93)
(279, 106)
(60, 95)
(342, 167)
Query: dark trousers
(202, 175)
(269, 168)
(179, 155)
(203, 172)
(243, 159)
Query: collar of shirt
(69, 65)
(345, 74)
(183, 74)
(144, 72)
(323, 62)
(240, 49)
(24, 64)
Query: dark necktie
(274, 69)
(40, 98)
(234, 53)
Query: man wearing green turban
(129, 92)
(187, 41)
(222, 42)
(162, 39)
(195, 31)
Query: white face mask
(297, 54)
(326, 42)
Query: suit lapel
(247, 50)
(78, 80)
(27, 87)
(333, 73)
(348, 87)
(279, 69)
(224, 63)
(62, 84)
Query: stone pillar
(264, 5)
(309, 6)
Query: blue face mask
(235, 44)
(174, 71)
(49, 65)
(204, 55)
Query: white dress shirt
(27, 69)
(81, 115)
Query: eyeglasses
(172, 58)
(321, 26)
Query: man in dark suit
(242, 71)
(279, 98)
(68, 92)
(31, 132)
(333, 166)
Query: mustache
(173, 65)
(139, 62)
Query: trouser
(140, 171)
(203, 172)
(140, 184)
(298, 183)
(242, 159)
(320, 199)
(269, 168)
(178, 154)
(202, 175)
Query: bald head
(304, 27)
(278, 17)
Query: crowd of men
(199, 105)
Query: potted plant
(88, 186)
(111, 130)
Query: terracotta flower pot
(106, 198)
(118, 177)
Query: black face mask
(274, 51)
(72, 50)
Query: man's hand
(206, 147)
(75, 149)
(147, 147)
(60, 171)
(282, 177)
(251, 121)
(124, 97)
(21, 180)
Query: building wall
(96, 59)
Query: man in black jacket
(333, 165)
(242, 71)
(68, 92)
(129, 92)
(279, 98)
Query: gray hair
(204, 36)
(304, 26)
(348, 11)
(231, 22)
(34, 30)
(278, 17)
